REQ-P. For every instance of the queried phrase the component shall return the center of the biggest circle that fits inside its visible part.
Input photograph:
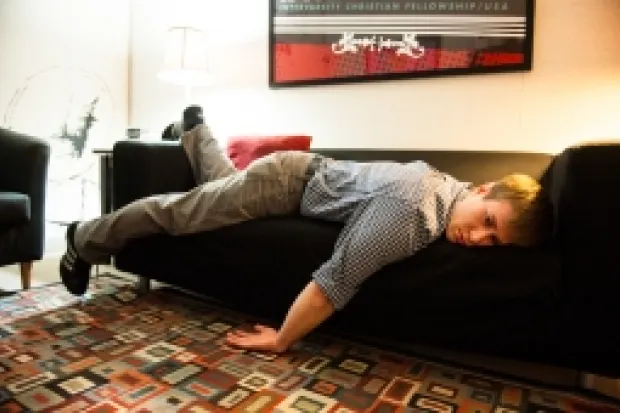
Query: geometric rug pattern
(118, 351)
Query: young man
(389, 210)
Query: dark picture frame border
(526, 66)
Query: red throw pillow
(244, 149)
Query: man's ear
(484, 189)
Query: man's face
(479, 222)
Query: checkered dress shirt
(390, 211)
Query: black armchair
(24, 162)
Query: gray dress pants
(271, 185)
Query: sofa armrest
(583, 183)
(145, 168)
(24, 162)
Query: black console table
(106, 181)
(105, 178)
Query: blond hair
(531, 218)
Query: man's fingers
(248, 340)
(243, 342)
(235, 339)
(238, 334)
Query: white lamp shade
(185, 57)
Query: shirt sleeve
(379, 232)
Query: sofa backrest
(143, 168)
(471, 166)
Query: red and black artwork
(336, 41)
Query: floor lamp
(185, 59)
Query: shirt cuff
(338, 293)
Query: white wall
(57, 57)
(572, 94)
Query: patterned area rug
(163, 352)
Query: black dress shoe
(74, 271)
(192, 116)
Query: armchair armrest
(24, 162)
(145, 168)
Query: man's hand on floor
(311, 308)
(262, 339)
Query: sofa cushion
(244, 149)
(14, 208)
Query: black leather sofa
(24, 163)
(555, 304)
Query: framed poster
(315, 42)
